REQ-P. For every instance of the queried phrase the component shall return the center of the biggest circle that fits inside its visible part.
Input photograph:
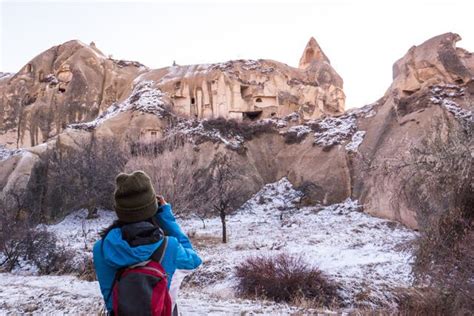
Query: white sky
(362, 38)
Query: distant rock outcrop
(435, 61)
(312, 53)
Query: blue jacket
(113, 253)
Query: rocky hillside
(289, 123)
(75, 82)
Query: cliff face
(69, 83)
(74, 83)
(366, 153)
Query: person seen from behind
(137, 255)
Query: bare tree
(175, 178)
(83, 177)
(226, 192)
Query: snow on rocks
(443, 95)
(5, 75)
(246, 64)
(365, 111)
(195, 131)
(144, 98)
(334, 130)
(299, 130)
(6, 153)
(51, 79)
(355, 142)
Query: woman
(144, 219)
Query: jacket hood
(118, 253)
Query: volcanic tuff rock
(435, 61)
(68, 83)
(329, 158)
(74, 83)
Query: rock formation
(69, 83)
(435, 61)
(355, 154)
(312, 54)
(74, 82)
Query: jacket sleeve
(186, 258)
(167, 222)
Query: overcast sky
(362, 38)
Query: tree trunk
(224, 230)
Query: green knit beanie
(135, 198)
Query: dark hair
(119, 224)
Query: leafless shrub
(174, 181)
(245, 129)
(293, 137)
(285, 278)
(427, 301)
(83, 178)
(21, 243)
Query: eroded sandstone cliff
(74, 83)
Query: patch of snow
(334, 130)
(6, 153)
(299, 130)
(5, 75)
(193, 129)
(48, 295)
(365, 111)
(144, 98)
(356, 140)
(51, 79)
(443, 95)
(51, 295)
(246, 64)
(284, 121)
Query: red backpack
(142, 289)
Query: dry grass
(204, 240)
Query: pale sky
(362, 38)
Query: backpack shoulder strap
(159, 253)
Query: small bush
(424, 301)
(232, 127)
(43, 251)
(20, 243)
(285, 278)
(292, 137)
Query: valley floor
(367, 256)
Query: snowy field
(367, 256)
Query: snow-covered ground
(367, 256)
(6, 153)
